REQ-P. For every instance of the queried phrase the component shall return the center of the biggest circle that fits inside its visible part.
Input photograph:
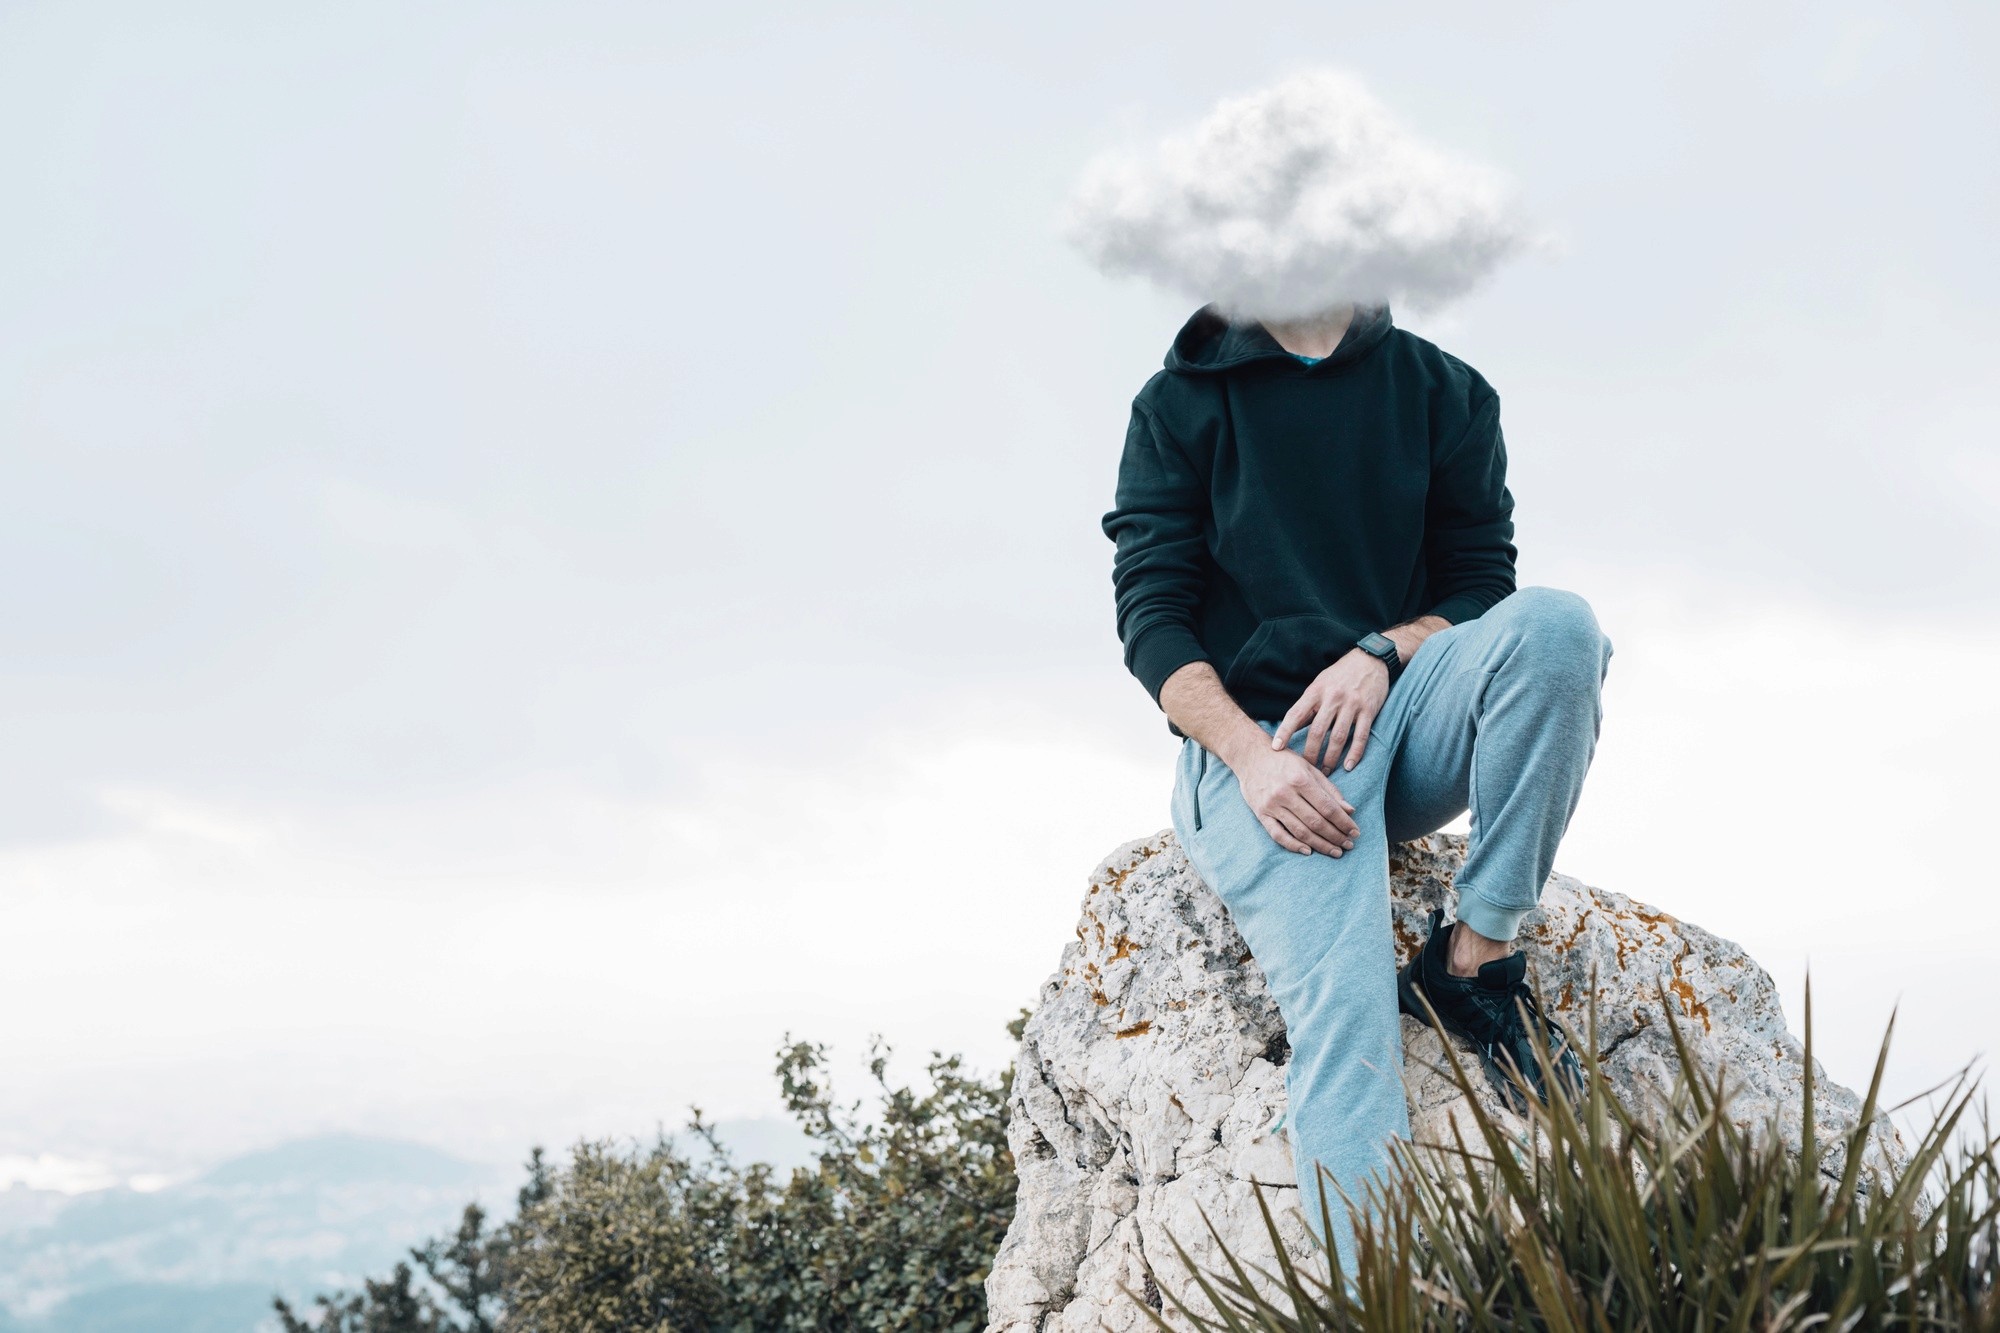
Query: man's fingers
(1316, 741)
(1344, 827)
(1362, 726)
(1324, 794)
(1306, 819)
(1296, 714)
(1337, 738)
(1326, 802)
(1344, 803)
(1280, 836)
(1322, 844)
(1300, 825)
(1320, 796)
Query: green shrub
(891, 1229)
(1675, 1218)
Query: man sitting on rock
(1315, 581)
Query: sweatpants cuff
(1490, 920)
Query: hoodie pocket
(1285, 653)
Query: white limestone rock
(1150, 1086)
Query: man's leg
(1503, 720)
(1319, 927)
(1487, 712)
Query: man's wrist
(1410, 635)
(1245, 742)
(1384, 650)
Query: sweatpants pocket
(1194, 793)
(1187, 791)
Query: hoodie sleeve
(1469, 521)
(1162, 559)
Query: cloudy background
(545, 546)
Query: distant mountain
(347, 1159)
(156, 1307)
(209, 1253)
(206, 1255)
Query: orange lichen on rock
(1138, 1029)
(1407, 942)
(1690, 1006)
(1116, 879)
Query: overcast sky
(543, 546)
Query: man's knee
(1559, 626)
(1551, 636)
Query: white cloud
(50, 1172)
(170, 816)
(1290, 201)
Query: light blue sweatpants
(1498, 715)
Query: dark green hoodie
(1272, 513)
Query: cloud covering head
(1288, 202)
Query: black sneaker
(1486, 1010)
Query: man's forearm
(1195, 702)
(1410, 635)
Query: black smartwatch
(1382, 646)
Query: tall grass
(1594, 1217)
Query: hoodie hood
(1209, 343)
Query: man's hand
(1298, 807)
(1296, 804)
(1342, 702)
